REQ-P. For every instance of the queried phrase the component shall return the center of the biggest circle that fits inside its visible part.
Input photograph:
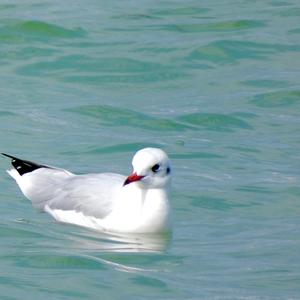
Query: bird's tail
(22, 166)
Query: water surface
(215, 84)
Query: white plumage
(107, 202)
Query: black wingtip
(23, 166)
(7, 155)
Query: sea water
(83, 85)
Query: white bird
(108, 202)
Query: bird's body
(106, 201)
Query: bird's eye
(155, 168)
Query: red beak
(132, 178)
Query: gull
(107, 202)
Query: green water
(213, 83)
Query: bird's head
(151, 169)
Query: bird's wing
(92, 194)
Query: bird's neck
(145, 210)
(154, 208)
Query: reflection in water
(97, 241)
(92, 243)
(67, 247)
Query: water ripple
(277, 99)
(37, 30)
(88, 70)
(218, 122)
(225, 51)
(210, 27)
(58, 261)
(114, 116)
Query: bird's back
(92, 194)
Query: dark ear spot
(168, 170)
(155, 168)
